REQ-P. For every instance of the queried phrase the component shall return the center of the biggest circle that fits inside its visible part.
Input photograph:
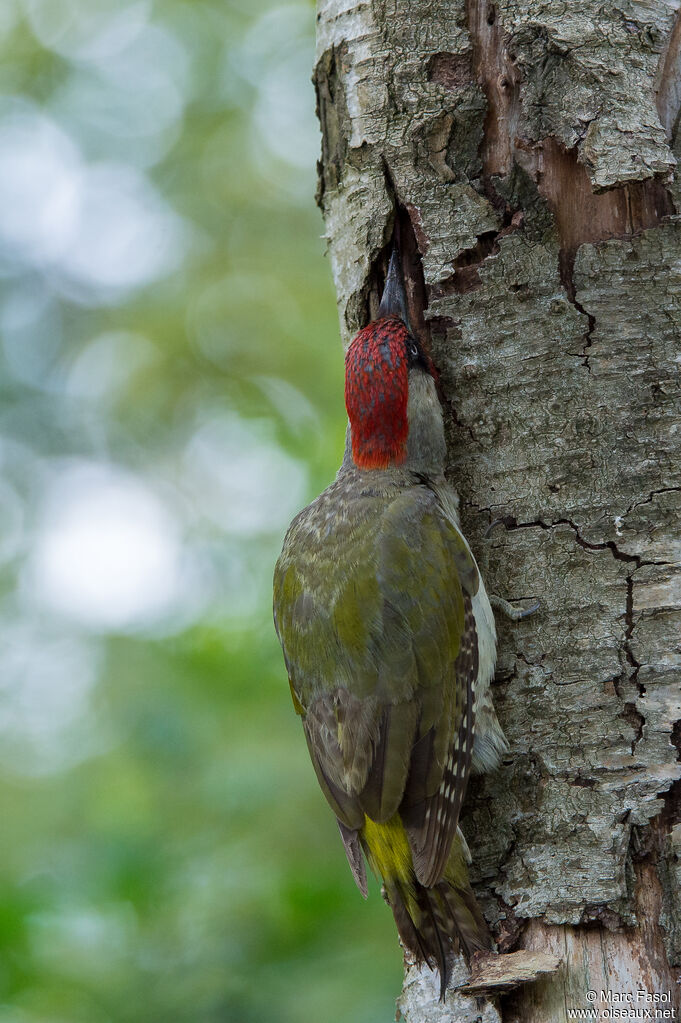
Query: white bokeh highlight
(248, 484)
(108, 552)
(100, 230)
(275, 58)
(45, 689)
(87, 30)
(108, 365)
(129, 103)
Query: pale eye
(413, 350)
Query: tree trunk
(527, 148)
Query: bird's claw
(496, 522)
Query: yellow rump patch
(388, 849)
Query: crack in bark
(466, 265)
(468, 262)
(406, 232)
(675, 738)
(566, 268)
(510, 926)
(584, 216)
(649, 498)
(630, 712)
(588, 336)
(511, 524)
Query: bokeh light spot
(108, 554)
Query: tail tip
(445, 971)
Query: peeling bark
(528, 150)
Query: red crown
(376, 393)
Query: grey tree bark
(528, 148)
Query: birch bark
(529, 149)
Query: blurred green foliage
(171, 393)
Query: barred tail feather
(447, 919)
(463, 910)
(455, 890)
(422, 928)
(434, 923)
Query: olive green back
(369, 608)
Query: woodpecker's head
(390, 394)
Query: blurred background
(171, 380)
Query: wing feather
(431, 821)
(383, 792)
(381, 651)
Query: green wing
(372, 608)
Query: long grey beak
(394, 299)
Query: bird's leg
(509, 610)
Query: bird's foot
(512, 611)
(483, 559)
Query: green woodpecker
(390, 644)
